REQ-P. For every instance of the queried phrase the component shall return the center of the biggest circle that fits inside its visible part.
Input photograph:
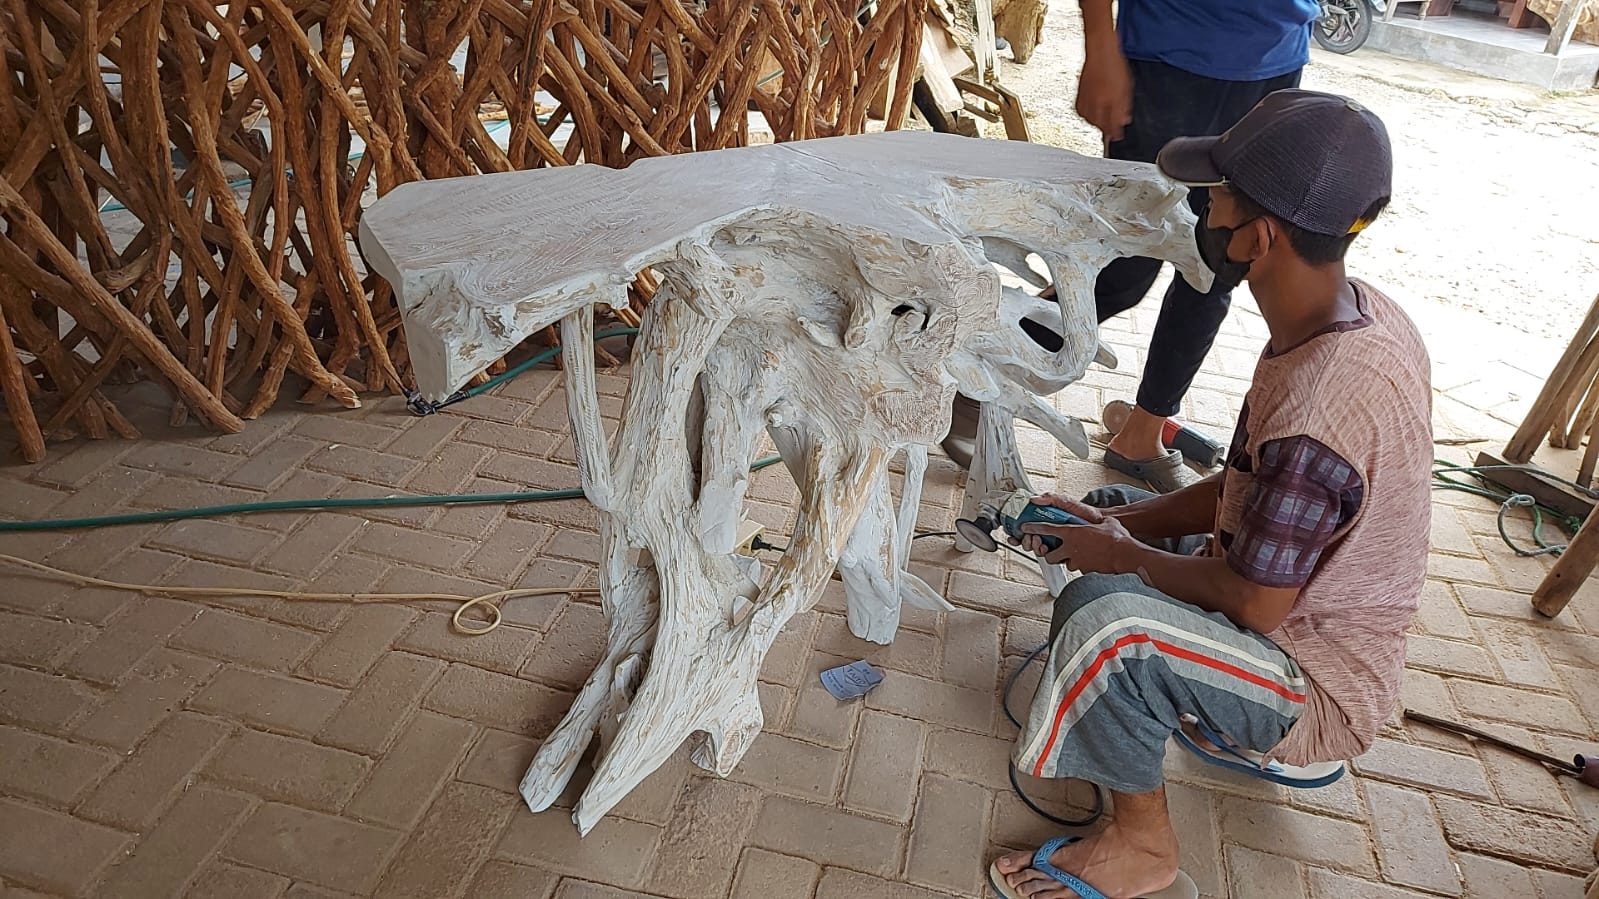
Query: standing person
(1167, 69)
(1259, 615)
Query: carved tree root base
(790, 306)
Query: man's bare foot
(1138, 438)
(1119, 863)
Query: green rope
(306, 505)
(1510, 499)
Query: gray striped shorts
(1126, 662)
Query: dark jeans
(1167, 103)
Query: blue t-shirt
(1233, 40)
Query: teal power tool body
(1011, 511)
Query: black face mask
(1212, 243)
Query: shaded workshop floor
(256, 749)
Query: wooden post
(1564, 25)
(1541, 417)
(1571, 569)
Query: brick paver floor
(154, 747)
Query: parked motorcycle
(1344, 25)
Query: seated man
(1281, 635)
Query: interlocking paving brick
(450, 471)
(269, 701)
(1326, 884)
(934, 702)
(498, 760)
(49, 770)
(501, 649)
(1493, 878)
(616, 851)
(1023, 635)
(411, 546)
(40, 700)
(692, 859)
(1193, 815)
(338, 853)
(509, 549)
(949, 837)
(361, 464)
(579, 889)
(885, 766)
(81, 463)
(507, 703)
(841, 883)
(785, 662)
(273, 464)
(403, 784)
(52, 851)
(364, 638)
(656, 799)
(222, 879)
(219, 541)
(1419, 766)
(1341, 799)
(380, 705)
(1518, 655)
(33, 641)
(1259, 875)
(446, 848)
(285, 769)
(820, 833)
(505, 880)
(791, 767)
(911, 652)
(1522, 836)
(250, 641)
(135, 794)
(1522, 783)
(765, 875)
(1457, 569)
(168, 856)
(568, 654)
(1441, 615)
(1410, 841)
(1298, 835)
(1533, 710)
(1450, 657)
(148, 622)
(971, 649)
(1574, 650)
(970, 757)
(1000, 597)
(818, 717)
(1497, 603)
(156, 688)
(181, 459)
(313, 544)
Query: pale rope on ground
(489, 601)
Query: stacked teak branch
(240, 138)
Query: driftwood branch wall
(181, 180)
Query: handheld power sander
(1011, 511)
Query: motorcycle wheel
(1344, 25)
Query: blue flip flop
(1181, 888)
(1249, 762)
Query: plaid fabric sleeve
(1303, 493)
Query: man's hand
(1101, 547)
(1105, 91)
